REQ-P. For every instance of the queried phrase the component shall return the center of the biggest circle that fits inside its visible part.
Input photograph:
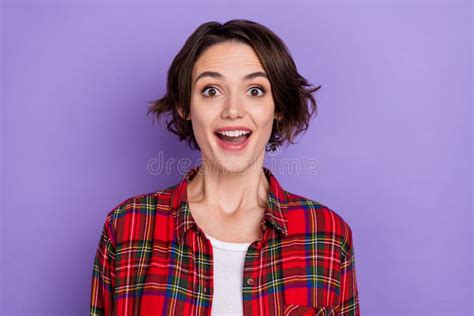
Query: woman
(228, 239)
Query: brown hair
(290, 90)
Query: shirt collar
(275, 212)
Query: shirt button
(205, 290)
(250, 281)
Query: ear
(181, 114)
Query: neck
(230, 194)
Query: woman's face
(230, 92)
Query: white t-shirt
(229, 259)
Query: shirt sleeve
(349, 298)
(103, 275)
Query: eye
(212, 91)
(253, 89)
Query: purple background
(392, 139)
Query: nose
(233, 107)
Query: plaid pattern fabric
(153, 259)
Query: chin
(233, 164)
(230, 162)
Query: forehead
(231, 56)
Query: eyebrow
(217, 75)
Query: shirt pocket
(310, 272)
(304, 310)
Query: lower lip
(232, 147)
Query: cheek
(201, 121)
(269, 127)
(199, 127)
(262, 116)
(265, 119)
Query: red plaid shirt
(153, 259)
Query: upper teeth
(234, 133)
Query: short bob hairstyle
(291, 92)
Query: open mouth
(233, 138)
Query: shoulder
(144, 202)
(308, 215)
(134, 214)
